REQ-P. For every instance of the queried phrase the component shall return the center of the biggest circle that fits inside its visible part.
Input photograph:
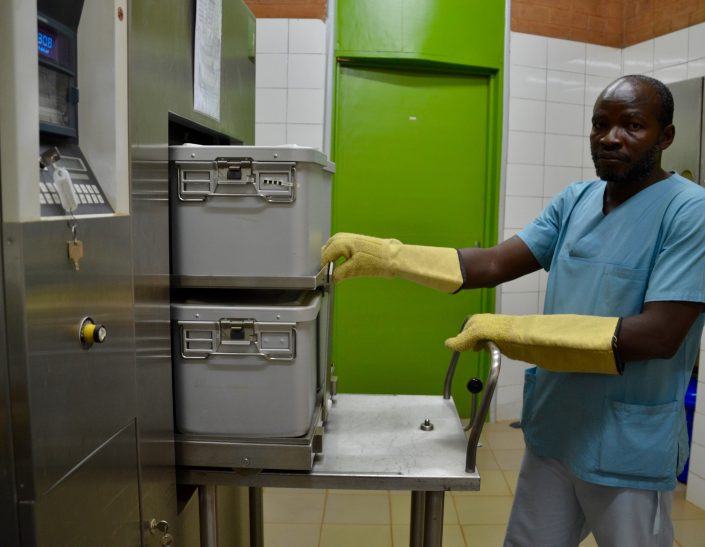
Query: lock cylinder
(91, 333)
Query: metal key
(75, 250)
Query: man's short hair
(666, 115)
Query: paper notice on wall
(206, 58)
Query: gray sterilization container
(248, 211)
(246, 369)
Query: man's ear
(667, 135)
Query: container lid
(287, 152)
(270, 306)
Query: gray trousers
(553, 508)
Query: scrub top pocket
(638, 440)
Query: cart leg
(256, 517)
(433, 519)
(208, 514)
(418, 505)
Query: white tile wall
(290, 82)
(567, 77)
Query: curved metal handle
(481, 415)
(447, 384)
(479, 419)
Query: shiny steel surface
(373, 442)
(67, 401)
(295, 453)
(160, 81)
(8, 502)
(97, 503)
(73, 409)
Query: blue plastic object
(689, 412)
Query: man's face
(626, 137)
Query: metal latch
(274, 182)
(273, 341)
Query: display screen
(54, 45)
(46, 42)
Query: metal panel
(98, 503)
(8, 500)
(160, 79)
(66, 400)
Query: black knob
(475, 385)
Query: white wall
(290, 81)
(552, 87)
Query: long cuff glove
(435, 267)
(561, 343)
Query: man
(603, 415)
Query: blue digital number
(45, 43)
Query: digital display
(46, 42)
(54, 45)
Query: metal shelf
(311, 282)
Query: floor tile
(483, 509)
(509, 459)
(683, 509)
(292, 535)
(348, 535)
(689, 533)
(452, 536)
(285, 507)
(358, 509)
(502, 440)
(511, 478)
(485, 535)
(486, 460)
(589, 542)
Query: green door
(411, 149)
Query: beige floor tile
(486, 535)
(452, 536)
(486, 460)
(359, 509)
(683, 509)
(589, 542)
(502, 440)
(492, 483)
(483, 509)
(292, 535)
(509, 459)
(501, 425)
(511, 478)
(285, 507)
(348, 535)
(401, 508)
(690, 533)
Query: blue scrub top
(627, 430)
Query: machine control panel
(88, 196)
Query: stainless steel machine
(86, 407)
(69, 387)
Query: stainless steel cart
(373, 442)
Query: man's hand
(365, 256)
(561, 343)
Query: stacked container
(251, 307)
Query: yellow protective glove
(435, 267)
(561, 343)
